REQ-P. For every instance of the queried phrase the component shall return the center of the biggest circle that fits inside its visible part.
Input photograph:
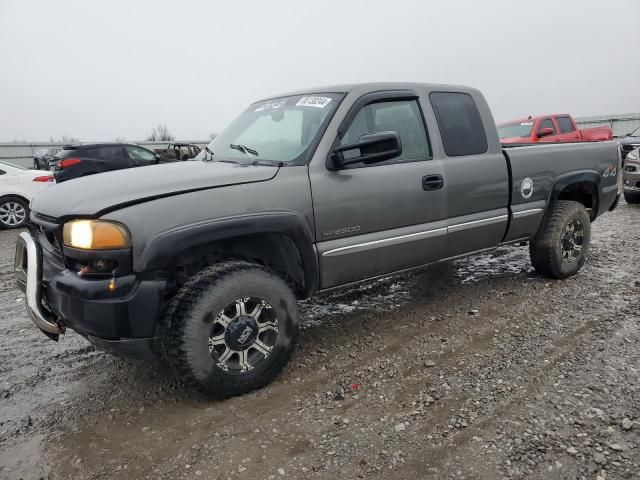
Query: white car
(18, 186)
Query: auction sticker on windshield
(318, 102)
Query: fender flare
(582, 176)
(162, 250)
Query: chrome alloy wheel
(12, 214)
(572, 240)
(243, 335)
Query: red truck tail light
(67, 162)
(45, 178)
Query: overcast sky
(98, 70)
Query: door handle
(432, 182)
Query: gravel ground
(475, 369)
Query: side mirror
(545, 132)
(372, 148)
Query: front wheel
(231, 329)
(560, 247)
(14, 212)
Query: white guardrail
(22, 153)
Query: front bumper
(121, 321)
(28, 272)
(631, 181)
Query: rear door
(567, 131)
(476, 176)
(113, 157)
(380, 218)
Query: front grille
(46, 232)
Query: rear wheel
(561, 245)
(632, 197)
(231, 329)
(14, 212)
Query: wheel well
(19, 197)
(276, 251)
(585, 193)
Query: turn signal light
(96, 235)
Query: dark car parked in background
(629, 142)
(75, 161)
(43, 156)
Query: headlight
(96, 235)
(631, 156)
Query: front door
(380, 218)
(547, 123)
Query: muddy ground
(475, 369)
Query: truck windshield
(279, 130)
(517, 129)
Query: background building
(620, 124)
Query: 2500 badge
(341, 231)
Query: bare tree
(161, 134)
(212, 135)
(64, 139)
(69, 139)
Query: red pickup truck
(558, 127)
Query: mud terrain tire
(212, 316)
(561, 245)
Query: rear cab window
(565, 124)
(460, 123)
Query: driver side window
(402, 117)
(547, 123)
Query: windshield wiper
(244, 149)
(267, 163)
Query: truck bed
(546, 165)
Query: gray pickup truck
(202, 262)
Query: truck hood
(96, 195)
